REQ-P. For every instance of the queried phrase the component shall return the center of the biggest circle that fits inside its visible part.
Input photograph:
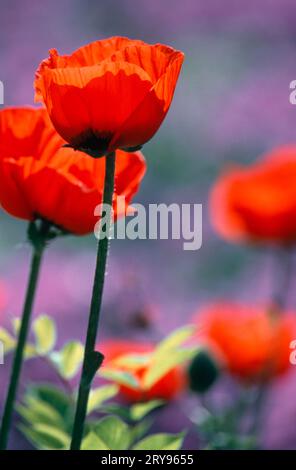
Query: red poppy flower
(168, 387)
(109, 94)
(251, 343)
(40, 178)
(258, 203)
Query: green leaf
(140, 429)
(16, 324)
(120, 377)
(46, 437)
(132, 361)
(113, 432)
(164, 361)
(99, 395)
(36, 411)
(140, 410)
(93, 442)
(53, 396)
(45, 334)
(34, 438)
(69, 359)
(161, 442)
(7, 340)
(176, 339)
(30, 351)
(116, 409)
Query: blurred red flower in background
(167, 388)
(109, 94)
(250, 342)
(40, 178)
(258, 203)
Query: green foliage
(133, 361)
(45, 334)
(222, 429)
(50, 394)
(68, 360)
(140, 410)
(133, 413)
(47, 417)
(167, 355)
(163, 361)
(93, 442)
(111, 433)
(99, 395)
(161, 442)
(7, 340)
(45, 409)
(47, 412)
(176, 339)
(46, 437)
(140, 429)
(119, 376)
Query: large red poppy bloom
(251, 343)
(258, 203)
(168, 387)
(40, 178)
(109, 94)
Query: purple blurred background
(231, 104)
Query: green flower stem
(38, 249)
(92, 359)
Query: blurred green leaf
(139, 430)
(16, 324)
(176, 339)
(113, 432)
(52, 395)
(93, 442)
(120, 377)
(132, 361)
(132, 413)
(99, 395)
(161, 442)
(116, 409)
(46, 437)
(69, 359)
(7, 340)
(45, 405)
(30, 351)
(45, 334)
(164, 361)
(140, 410)
(36, 411)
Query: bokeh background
(231, 104)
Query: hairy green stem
(38, 250)
(92, 359)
